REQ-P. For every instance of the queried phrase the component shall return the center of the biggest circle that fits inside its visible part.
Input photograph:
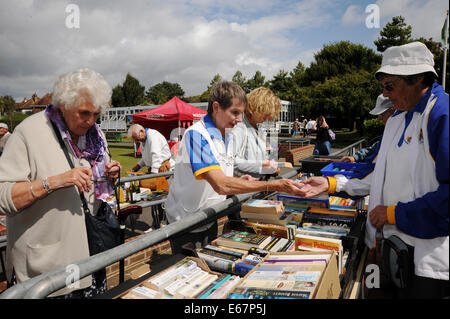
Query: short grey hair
(71, 87)
(135, 128)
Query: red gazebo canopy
(172, 114)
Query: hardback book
(333, 220)
(321, 233)
(316, 243)
(218, 254)
(230, 252)
(217, 263)
(283, 220)
(267, 229)
(262, 206)
(334, 212)
(303, 203)
(242, 240)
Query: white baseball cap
(383, 104)
(407, 59)
(3, 125)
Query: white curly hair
(72, 87)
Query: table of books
(279, 248)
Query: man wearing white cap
(4, 135)
(383, 110)
(409, 187)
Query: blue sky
(187, 42)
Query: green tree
(239, 79)
(394, 33)
(133, 91)
(8, 105)
(117, 98)
(280, 84)
(255, 82)
(204, 97)
(163, 92)
(340, 58)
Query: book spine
(242, 268)
(218, 254)
(214, 286)
(272, 242)
(252, 293)
(217, 263)
(224, 251)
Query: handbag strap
(66, 153)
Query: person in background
(310, 126)
(383, 110)
(154, 148)
(204, 166)
(295, 127)
(250, 154)
(323, 145)
(4, 135)
(409, 186)
(304, 127)
(40, 192)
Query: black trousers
(198, 239)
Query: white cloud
(187, 42)
(353, 15)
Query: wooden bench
(296, 154)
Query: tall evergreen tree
(394, 33)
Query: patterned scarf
(94, 152)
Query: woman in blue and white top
(203, 174)
(409, 185)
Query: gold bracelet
(31, 189)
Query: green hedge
(373, 128)
(16, 119)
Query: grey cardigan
(249, 150)
(51, 233)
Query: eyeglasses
(389, 86)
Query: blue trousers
(322, 148)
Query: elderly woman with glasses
(409, 186)
(40, 192)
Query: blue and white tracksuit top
(411, 177)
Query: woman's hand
(112, 170)
(81, 177)
(314, 186)
(249, 178)
(288, 186)
(270, 167)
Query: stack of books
(283, 276)
(188, 279)
(265, 211)
(245, 241)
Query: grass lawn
(124, 154)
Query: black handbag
(103, 229)
(396, 261)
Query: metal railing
(351, 149)
(45, 284)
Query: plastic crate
(337, 168)
(315, 163)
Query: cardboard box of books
(291, 275)
(184, 280)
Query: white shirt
(202, 149)
(155, 151)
